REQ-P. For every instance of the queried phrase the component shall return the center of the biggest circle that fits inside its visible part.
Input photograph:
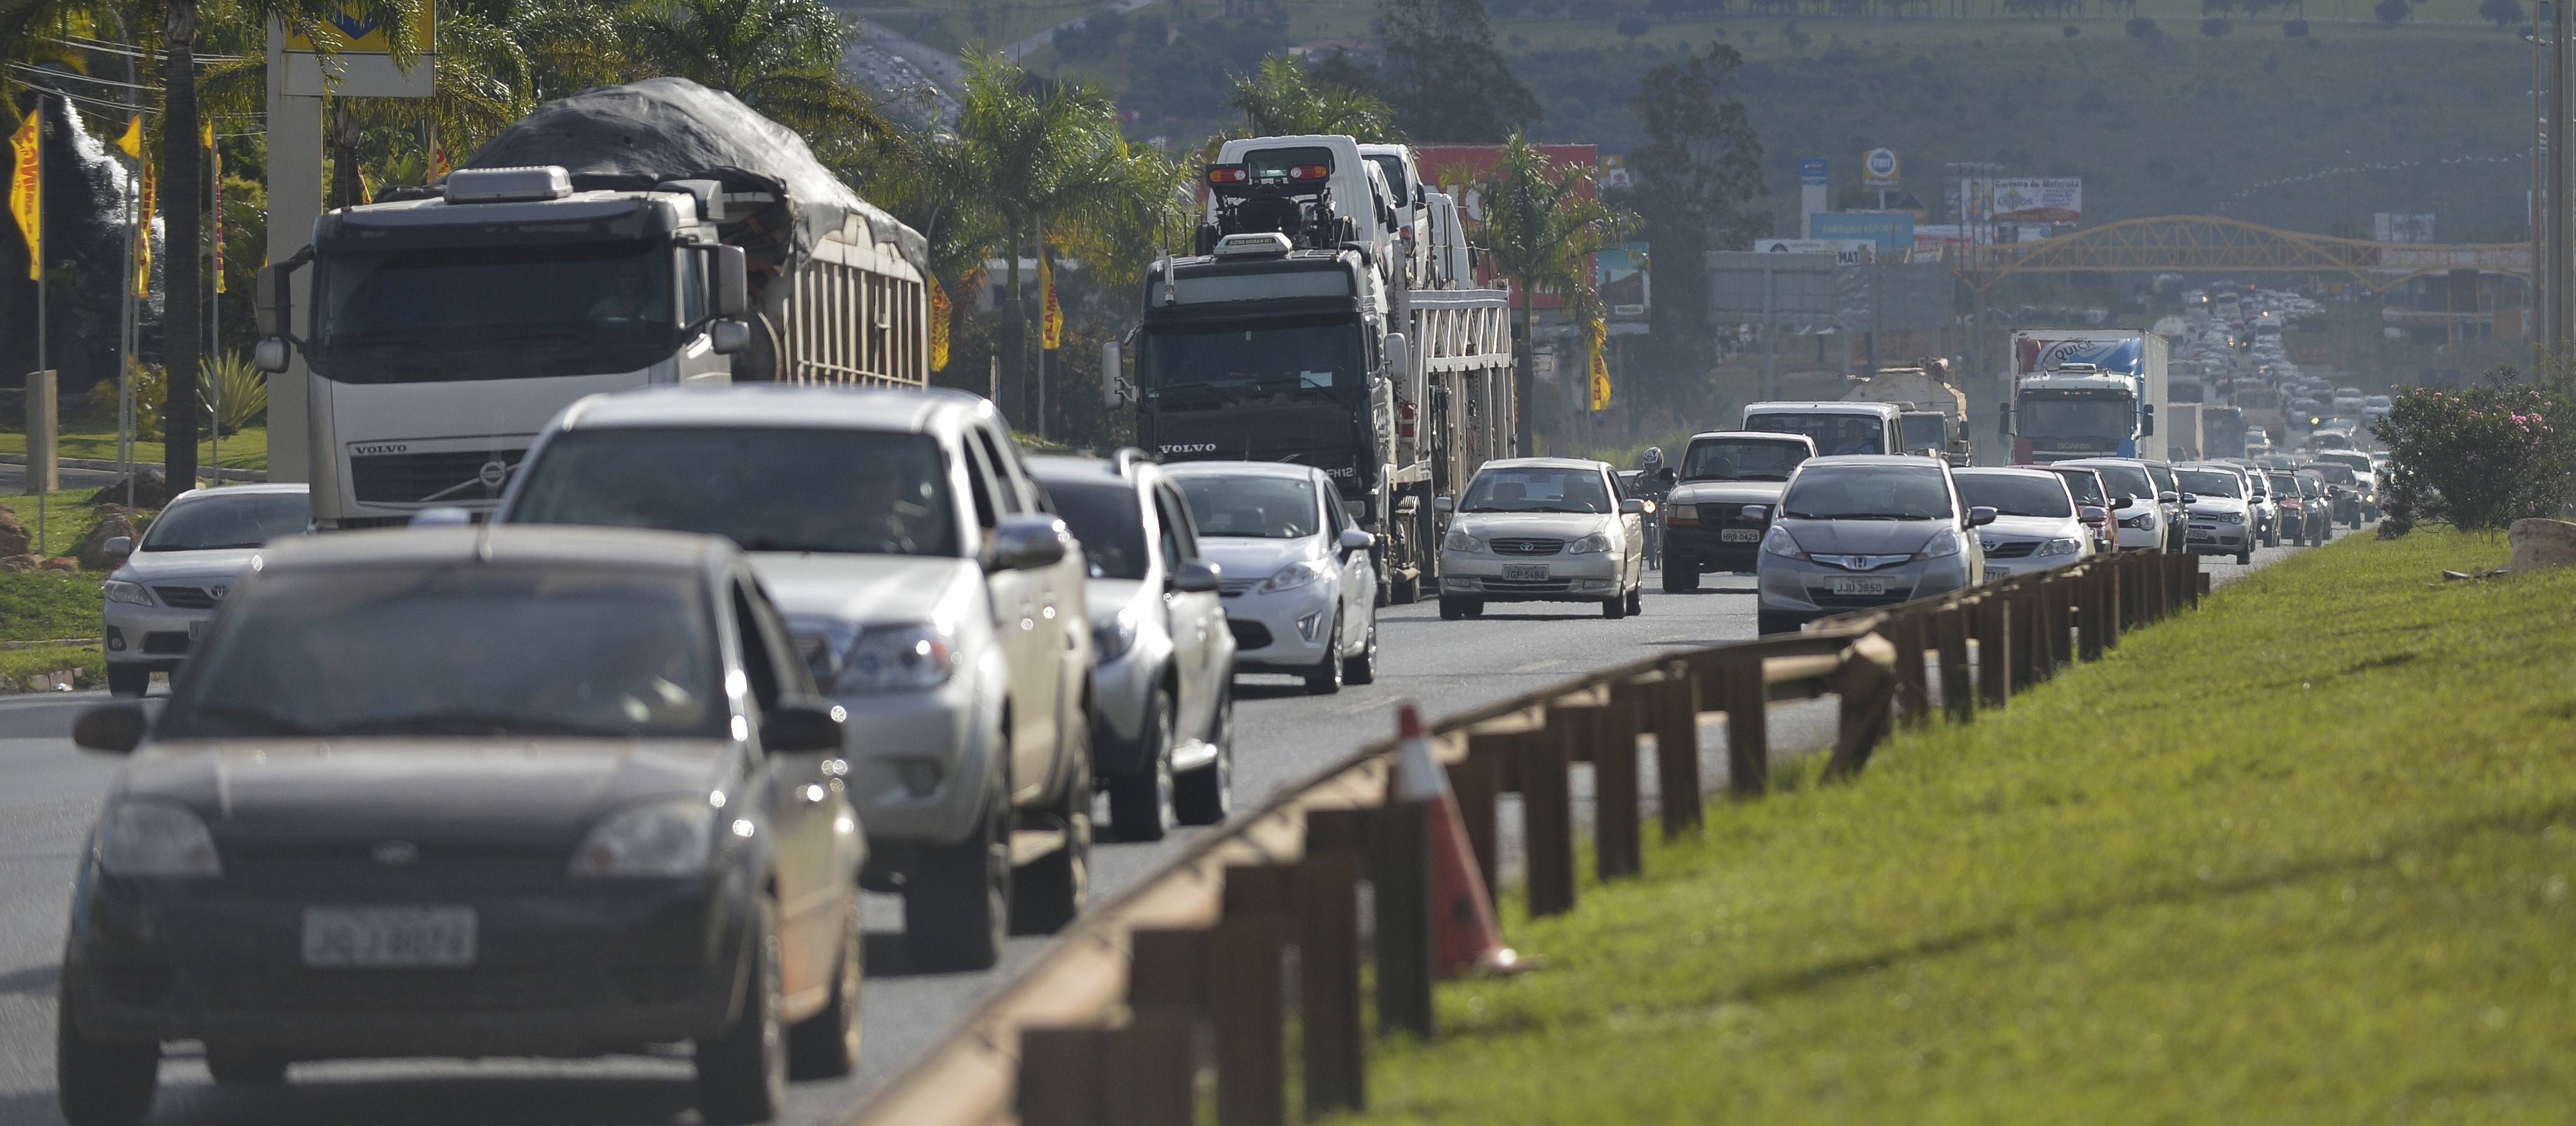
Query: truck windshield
(494, 312)
(1301, 360)
(1741, 459)
(2043, 418)
(1834, 433)
(1925, 431)
(766, 488)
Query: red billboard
(1456, 168)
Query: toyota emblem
(493, 473)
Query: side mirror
(2093, 512)
(802, 728)
(119, 546)
(1197, 576)
(1444, 505)
(2169, 498)
(1112, 365)
(270, 302)
(2119, 503)
(2147, 425)
(733, 281)
(1980, 516)
(1027, 543)
(115, 728)
(729, 337)
(1755, 513)
(1631, 507)
(270, 354)
(1354, 539)
(2191, 498)
(1399, 358)
(1667, 475)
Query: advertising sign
(1880, 169)
(1811, 172)
(2041, 354)
(361, 64)
(1620, 272)
(2052, 200)
(1846, 251)
(1456, 168)
(1888, 230)
(2398, 226)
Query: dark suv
(1721, 472)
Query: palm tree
(1283, 100)
(1542, 225)
(781, 57)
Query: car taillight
(1227, 174)
(1309, 172)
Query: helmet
(1653, 458)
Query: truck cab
(2076, 411)
(1835, 427)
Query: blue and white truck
(2085, 393)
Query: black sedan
(464, 792)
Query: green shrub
(2477, 460)
(236, 392)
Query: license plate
(372, 937)
(1524, 572)
(196, 631)
(1739, 535)
(1860, 586)
(1995, 572)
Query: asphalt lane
(1283, 736)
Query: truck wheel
(1681, 576)
(1205, 795)
(1362, 669)
(1053, 888)
(826, 1044)
(101, 1082)
(1326, 677)
(1140, 804)
(129, 680)
(742, 1071)
(955, 903)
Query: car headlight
(1304, 572)
(666, 838)
(1941, 545)
(135, 593)
(2060, 546)
(155, 839)
(2228, 517)
(1111, 639)
(888, 658)
(2140, 520)
(1460, 541)
(1779, 542)
(1593, 544)
(1681, 515)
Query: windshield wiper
(474, 723)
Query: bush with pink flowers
(2477, 459)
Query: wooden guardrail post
(2088, 612)
(2159, 587)
(1911, 632)
(1676, 704)
(1617, 848)
(1135, 1074)
(1748, 727)
(1248, 1004)
(2022, 630)
(1867, 690)
(2116, 615)
(1547, 810)
(1477, 782)
(1399, 869)
(2061, 591)
(1328, 963)
(1992, 620)
(1958, 692)
(2195, 582)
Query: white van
(1836, 427)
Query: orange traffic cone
(1465, 938)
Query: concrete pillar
(44, 434)
(294, 202)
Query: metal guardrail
(1107, 1025)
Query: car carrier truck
(652, 233)
(1284, 343)
(2079, 393)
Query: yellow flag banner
(132, 140)
(27, 188)
(1051, 322)
(439, 165)
(1600, 334)
(143, 234)
(941, 313)
(215, 223)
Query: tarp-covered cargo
(631, 137)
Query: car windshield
(2285, 484)
(2209, 483)
(2126, 480)
(1108, 521)
(2336, 474)
(2164, 477)
(1741, 459)
(2086, 488)
(1537, 489)
(459, 651)
(2011, 493)
(1833, 432)
(1250, 506)
(766, 488)
(1867, 492)
(216, 520)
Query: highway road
(1283, 736)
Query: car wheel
(742, 1071)
(1615, 607)
(955, 903)
(1362, 669)
(1204, 796)
(129, 680)
(2244, 558)
(1637, 598)
(1326, 677)
(237, 1067)
(1452, 609)
(826, 1045)
(1053, 888)
(1768, 622)
(1140, 804)
(101, 1082)
(1681, 576)
(1475, 607)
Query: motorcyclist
(1653, 487)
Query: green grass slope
(2302, 856)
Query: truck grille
(449, 477)
(1520, 547)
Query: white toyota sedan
(1542, 529)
